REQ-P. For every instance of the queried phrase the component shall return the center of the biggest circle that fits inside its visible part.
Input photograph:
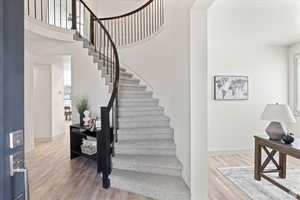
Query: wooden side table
(260, 171)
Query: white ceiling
(274, 22)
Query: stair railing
(137, 25)
(76, 15)
(101, 43)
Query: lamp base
(275, 131)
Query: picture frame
(231, 87)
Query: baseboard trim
(49, 139)
(45, 139)
(229, 152)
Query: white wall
(164, 62)
(87, 82)
(199, 161)
(42, 102)
(292, 52)
(232, 124)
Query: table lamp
(277, 114)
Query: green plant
(82, 105)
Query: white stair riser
(138, 104)
(115, 183)
(122, 89)
(146, 131)
(146, 169)
(122, 74)
(128, 88)
(141, 113)
(147, 124)
(131, 82)
(123, 137)
(145, 151)
(104, 69)
(130, 96)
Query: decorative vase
(81, 119)
(86, 118)
(288, 139)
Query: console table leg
(257, 170)
(282, 164)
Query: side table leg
(257, 162)
(282, 164)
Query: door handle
(26, 183)
(16, 167)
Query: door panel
(1, 102)
(12, 91)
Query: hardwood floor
(220, 188)
(53, 176)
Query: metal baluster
(94, 35)
(48, 12)
(105, 53)
(28, 7)
(54, 13)
(152, 17)
(163, 12)
(59, 13)
(115, 32)
(135, 25)
(118, 32)
(132, 24)
(160, 1)
(74, 15)
(34, 9)
(66, 13)
(41, 10)
(122, 34)
(80, 19)
(100, 42)
(149, 20)
(112, 69)
(156, 8)
(84, 31)
(138, 25)
(126, 33)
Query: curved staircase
(144, 153)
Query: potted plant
(81, 106)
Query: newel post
(74, 15)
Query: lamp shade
(278, 113)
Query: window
(297, 85)
(67, 85)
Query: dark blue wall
(12, 87)
(1, 105)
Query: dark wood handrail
(116, 82)
(111, 61)
(128, 14)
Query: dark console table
(263, 143)
(77, 133)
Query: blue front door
(11, 95)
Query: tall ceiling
(274, 22)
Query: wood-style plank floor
(53, 176)
(220, 188)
